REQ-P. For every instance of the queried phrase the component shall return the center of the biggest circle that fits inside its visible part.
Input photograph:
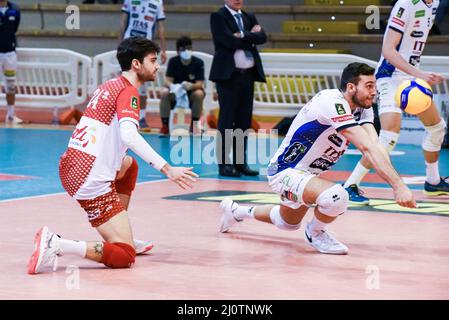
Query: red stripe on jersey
(398, 21)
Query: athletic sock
(316, 226)
(432, 173)
(357, 175)
(244, 212)
(142, 113)
(10, 112)
(75, 247)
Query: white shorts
(386, 89)
(290, 185)
(8, 64)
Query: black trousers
(235, 97)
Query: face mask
(186, 54)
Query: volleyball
(414, 96)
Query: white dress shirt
(241, 60)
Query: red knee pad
(127, 183)
(118, 255)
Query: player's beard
(359, 102)
(146, 76)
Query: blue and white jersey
(142, 17)
(313, 142)
(413, 19)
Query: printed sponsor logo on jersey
(152, 11)
(294, 151)
(343, 118)
(135, 2)
(434, 11)
(149, 18)
(82, 136)
(335, 140)
(398, 21)
(420, 13)
(135, 15)
(417, 34)
(417, 24)
(357, 115)
(140, 25)
(340, 109)
(321, 164)
(134, 103)
(152, 6)
(400, 12)
(414, 60)
(415, 1)
(290, 196)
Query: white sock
(432, 173)
(357, 175)
(316, 226)
(10, 112)
(142, 113)
(138, 243)
(75, 247)
(243, 212)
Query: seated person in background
(188, 71)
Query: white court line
(61, 193)
(353, 152)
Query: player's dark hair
(135, 48)
(352, 73)
(182, 42)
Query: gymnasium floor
(395, 253)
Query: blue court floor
(29, 159)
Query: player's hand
(431, 78)
(187, 85)
(182, 176)
(238, 35)
(256, 28)
(163, 57)
(404, 197)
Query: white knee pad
(10, 85)
(388, 139)
(434, 137)
(276, 219)
(333, 201)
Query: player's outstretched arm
(375, 153)
(182, 176)
(389, 51)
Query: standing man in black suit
(235, 68)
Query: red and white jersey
(313, 142)
(413, 19)
(95, 151)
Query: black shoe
(228, 170)
(246, 170)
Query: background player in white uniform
(143, 18)
(96, 171)
(408, 27)
(317, 138)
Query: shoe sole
(436, 193)
(36, 257)
(323, 251)
(146, 249)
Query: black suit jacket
(223, 26)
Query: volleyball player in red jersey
(96, 171)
